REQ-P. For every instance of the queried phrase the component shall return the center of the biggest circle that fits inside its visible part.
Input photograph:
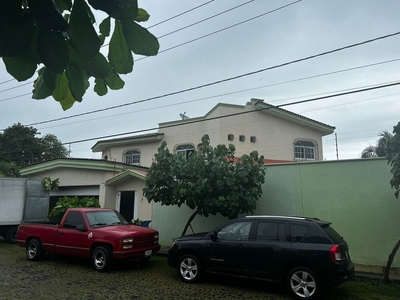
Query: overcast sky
(299, 30)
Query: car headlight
(128, 240)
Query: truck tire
(11, 235)
(34, 250)
(102, 258)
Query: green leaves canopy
(60, 35)
(208, 181)
(393, 157)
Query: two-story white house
(118, 178)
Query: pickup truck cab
(97, 233)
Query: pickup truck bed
(101, 234)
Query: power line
(15, 87)
(206, 19)
(223, 29)
(230, 93)
(222, 80)
(180, 14)
(240, 113)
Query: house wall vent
(230, 137)
(253, 139)
(242, 138)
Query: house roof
(260, 105)
(105, 144)
(79, 163)
(125, 175)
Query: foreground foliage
(60, 35)
(207, 181)
(72, 202)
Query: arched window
(304, 150)
(132, 157)
(184, 150)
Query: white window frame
(132, 157)
(305, 150)
(184, 149)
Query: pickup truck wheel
(189, 269)
(34, 250)
(11, 235)
(102, 259)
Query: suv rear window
(335, 237)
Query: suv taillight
(335, 254)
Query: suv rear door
(270, 249)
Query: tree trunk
(189, 221)
(389, 263)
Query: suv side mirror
(81, 227)
(214, 236)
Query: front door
(227, 252)
(127, 205)
(71, 241)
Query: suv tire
(302, 283)
(189, 269)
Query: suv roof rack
(285, 217)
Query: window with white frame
(132, 157)
(304, 150)
(184, 150)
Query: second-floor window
(132, 157)
(304, 150)
(184, 150)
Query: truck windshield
(105, 218)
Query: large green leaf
(21, 68)
(46, 14)
(119, 55)
(52, 50)
(82, 33)
(50, 78)
(139, 39)
(16, 36)
(97, 67)
(62, 93)
(41, 89)
(100, 87)
(142, 15)
(114, 82)
(104, 29)
(117, 9)
(76, 82)
(64, 4)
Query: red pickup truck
(101, 234)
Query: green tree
(393, 157)
(380, 150)
(60, 35)
(207, 181)
(20, 146)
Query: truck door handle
(241, 246)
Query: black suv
(303, 253)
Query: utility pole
(337, 150)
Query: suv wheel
(302, 283)
(189, 268)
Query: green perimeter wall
(354, 195)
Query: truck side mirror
(81, 227)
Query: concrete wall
(355, 195)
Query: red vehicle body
(98, 233)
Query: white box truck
(21, 200)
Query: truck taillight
(335, 254)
